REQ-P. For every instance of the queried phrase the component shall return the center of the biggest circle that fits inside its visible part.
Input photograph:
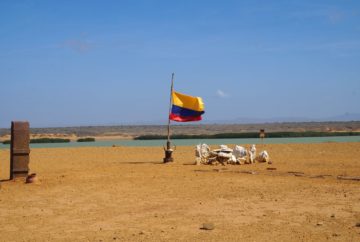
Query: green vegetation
(49, 140)
(249, 135)
(42, 141)
(86, 140)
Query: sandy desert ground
(126, 194)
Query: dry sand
(124, 194)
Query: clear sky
(110, 62)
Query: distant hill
(345, 117)
(247, 120)
(191, 129)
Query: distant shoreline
(249, 135)
(129, 132)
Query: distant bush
(42, 141)
(249, 135)
(86, 140)
(49, 140)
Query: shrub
(49, 140)
(86, 140)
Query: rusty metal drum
(19, 149)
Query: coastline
(131, 131)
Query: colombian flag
(186, 108)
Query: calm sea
(187, 142)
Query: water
(187, 142)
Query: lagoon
(191, 142)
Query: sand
(124, 194)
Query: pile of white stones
(225, 155)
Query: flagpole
(168, 150)
(170, 106)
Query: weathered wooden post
(262, 133)
(168, 151)
(19, 149)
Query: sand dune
(123, 193)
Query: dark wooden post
(262, 133)
(19, 149)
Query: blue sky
(65, 63)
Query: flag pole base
(168, 153)
(168, 156)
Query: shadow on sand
(142, 162)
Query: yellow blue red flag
(186, 108)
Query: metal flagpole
(168, 150)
